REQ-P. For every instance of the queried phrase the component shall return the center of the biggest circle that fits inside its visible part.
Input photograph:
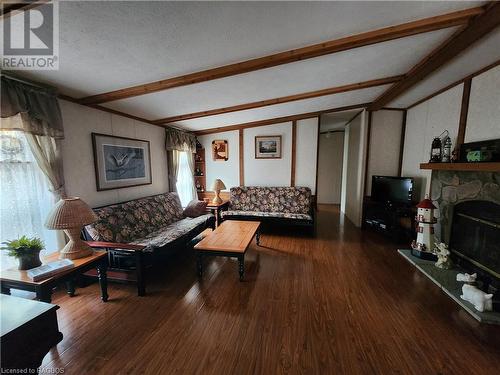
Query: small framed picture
(220, 150)
(121, 162)
(268, 147)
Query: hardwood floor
(341, 303)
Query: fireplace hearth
(469, 222)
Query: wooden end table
(12, 278)
(29, 330)
(216, 209)
(230, 239)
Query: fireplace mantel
(479, 167)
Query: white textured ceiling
(336, 120)
(285, 109)
(361, 64)
(108, 45)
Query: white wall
(356, 160)
(331, 152)
(227, 171)
(424, 122)
(483, 120)
(306, 153)
(268, 172)
(79, 122)
(345, 157)
(385, 145)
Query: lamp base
(217, 199)
(75, 248)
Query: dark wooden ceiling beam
(283, 99)
(478, 27)
(359, 40)
(278, 120)
(462, 80)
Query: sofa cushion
(172, 232)
(126, 222)
(195, 208)
(284, 215)
(293, 200)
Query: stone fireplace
(469, 218)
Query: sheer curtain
(185, 179)
(25, 196)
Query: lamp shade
(218, 185)
(70, 213)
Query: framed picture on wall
(121, 162)
(220, 150)
(268, 147)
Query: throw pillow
(195, 208)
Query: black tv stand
(394, 220)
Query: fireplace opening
(475, 240)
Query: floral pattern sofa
(135, 231)
(279, 204)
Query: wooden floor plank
(343, 302)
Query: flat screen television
(392, 189)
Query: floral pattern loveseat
(284, 204)
(146, 225)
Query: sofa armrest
(115, 245)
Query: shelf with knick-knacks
(483, 156)
(200, 171)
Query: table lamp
(70, 215)
(217, 186)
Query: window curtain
(177, 141)
(180, 141)
(190, 158)
(35, 111)
(174, 169)
(25, 199)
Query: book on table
(50, 269)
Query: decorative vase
(30, 261)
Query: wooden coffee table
(230, 239)
(12, 278)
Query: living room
(250, 187)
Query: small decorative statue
(466, 278)
(443, 254)
(480, 300)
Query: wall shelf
(480, 167)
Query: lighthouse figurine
(422, 247)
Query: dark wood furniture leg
(5, 290)
(70, 287)
(139, 263)
(257, 237)
(103, 279)
(44, 293)
(241, 266)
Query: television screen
(392, 189)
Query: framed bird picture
(120, 162)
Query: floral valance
(180, 141)
(38, 108)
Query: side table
(216, 209)
(12, 278)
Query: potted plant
(27, 250)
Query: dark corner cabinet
(395, 220)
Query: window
(185, 180)
(25, 197)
